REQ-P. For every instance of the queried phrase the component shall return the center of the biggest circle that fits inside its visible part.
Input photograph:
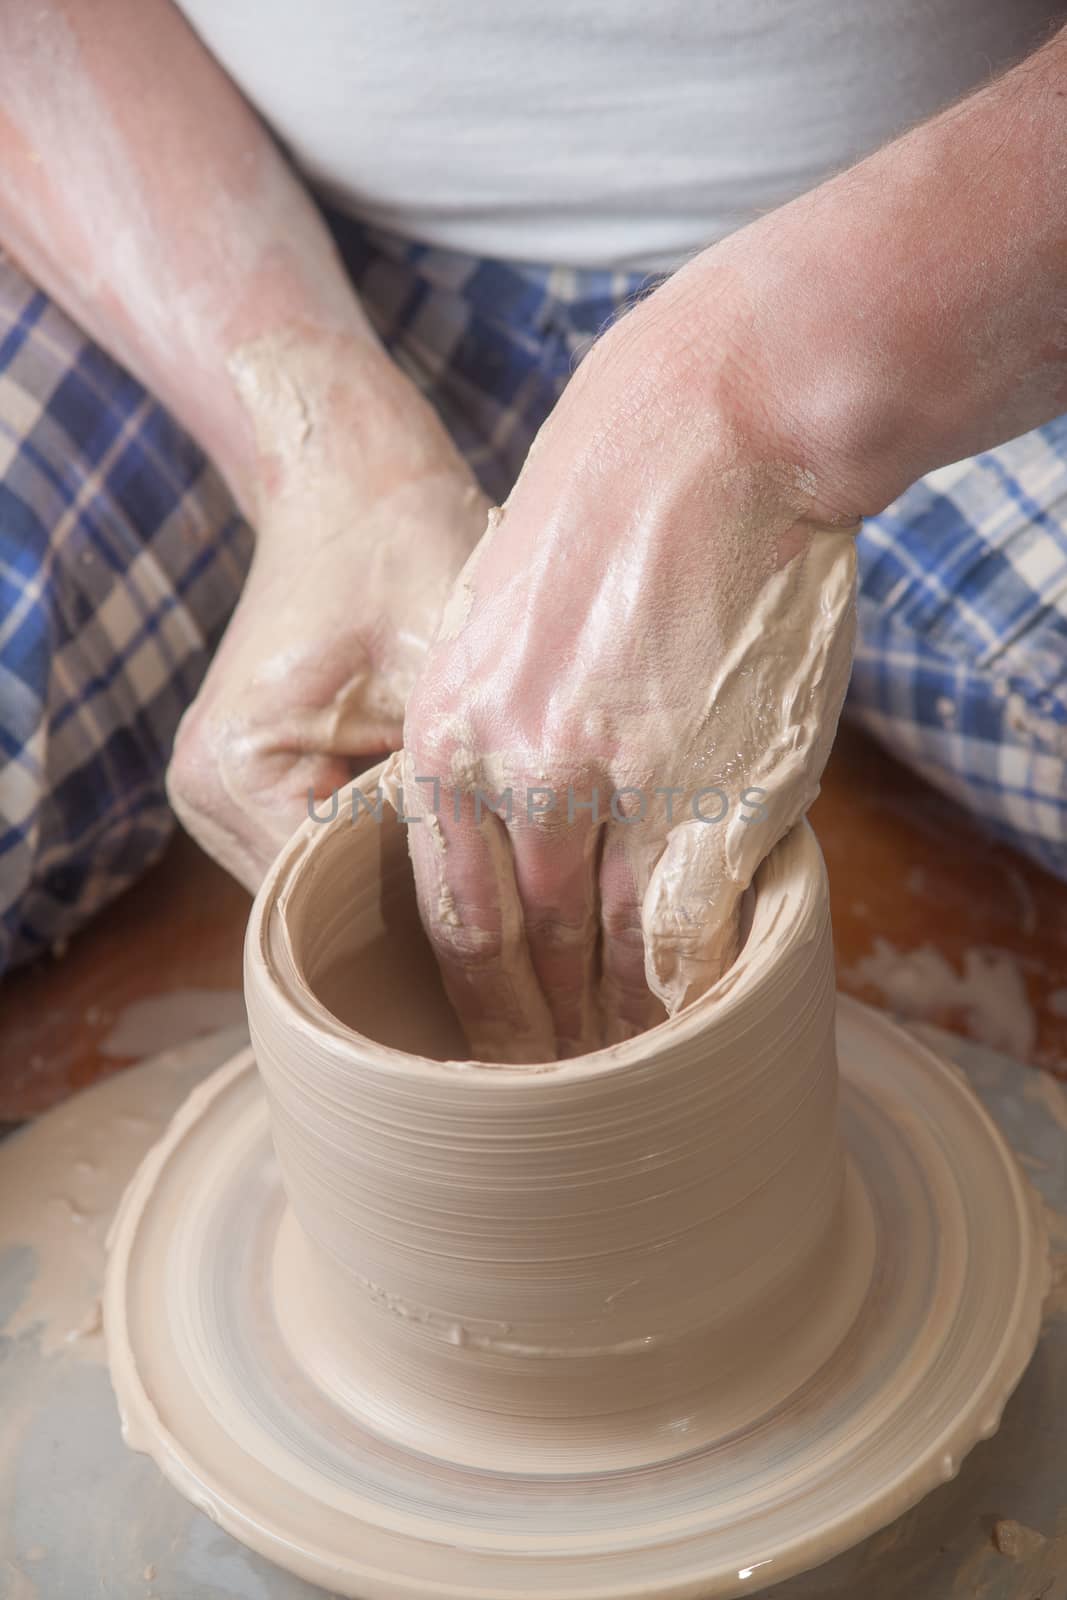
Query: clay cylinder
(603, 1260)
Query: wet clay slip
(675, 1318)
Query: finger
(691, 915)
(469, 906)
(628, 1004)
(556, 878)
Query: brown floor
(906, 866)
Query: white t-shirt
(608, 133)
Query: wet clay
(367, 1304)
(731, 704)
(571, 1255)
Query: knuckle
(622, 923)
(188, 768)
(193, 782)
(471, 948)
(554, 931)
(433, 738)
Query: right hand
(664, 604)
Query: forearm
(141, 191)
(907, 313)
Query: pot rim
(275, 973)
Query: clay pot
(600, 1261)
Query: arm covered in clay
(651, 646)
(141, 191)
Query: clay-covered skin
(664, 603)
(654, 621)
(140, 190)
(362, 525)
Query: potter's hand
(364, 516)
(649, 650)
(662, 605)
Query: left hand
(364, 515)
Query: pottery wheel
(941, 1338)
(80, 1514)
